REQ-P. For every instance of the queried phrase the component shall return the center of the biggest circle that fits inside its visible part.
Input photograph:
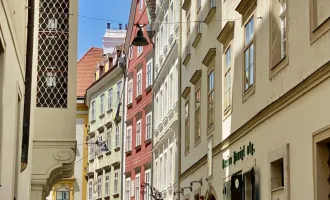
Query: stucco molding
(313, 80)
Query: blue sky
(90, 31)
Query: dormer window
(101, 70)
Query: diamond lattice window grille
(53, 43)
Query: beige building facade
(260, 129)
(37, 150)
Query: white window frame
(117, 136)
(170, 173)
(110, 99)
(102, 104)
(137, 186)
(283, 27)
(131, 52)
(249, 46)
(108, 141)
(149, 73)
(93, 113)
(141, 5)
(107, 185)
(116, 182)
(99, 186)
(149, 126)
(139, 83)
(138, 132)
(165, 170)
(90, 189)
(130, 91)
(227, 77)
(147, 179)
(128, 188)
(91, 149)
(129, 139)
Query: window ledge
(100, 198)
(278, 67)
(116, 195)
(100, 156)
(148, 89)
(129, 105)
(197, 141)
(108, 124)
(248, 93)
(197, 40)
(128, 152)
(108, 153)
(109, 111)
(210, 15)
(100, 129)
(91, 134)
(117, 119)
(102, 116)
(91, 160)
(138, 147)
(186, 59)
(117, 149)
(186, 152)
(147, 141)
(139, 97)
(107, 197)
(93, 121)
(227, 112)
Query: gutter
(179, 95)
(28, 83)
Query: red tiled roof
(86, 69)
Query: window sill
(100, 129)
(278, 67)
(108, 124)
(91, 134)
(100, 198)
(139, 97)
(319, 31)
(210, 15)
(91, 160)
(210, 129)
(137, 147)
(140, 54)
(128, 152)
(129, 105)
(117, 119)
(248, 93)
(148, 89)
(116, 195)
(108, 153)
(109, 111)
(197, 141)
(100, 156)
(147, 141)
(197, 40)
(102, 116)
(186, 59)
(117, 149)
(107, 197)
(93, 121)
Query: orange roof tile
(86, 69)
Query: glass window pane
(246, 59)
(246, 79)
(251, 27)
(251, 75)
(251, 54)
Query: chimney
(120, 26)
(108, 25)
(125, 26)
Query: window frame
(107, 185)
(119, 85)
(130, 91)
(211, 69)
(149, 73)
(147, 172)
(93, 111)
(227, 71)
(117, 137)
(110, 91)
(128, 189)
(187, 127)
(99, 186)
(139, 83)
(128, 139)
(90, 189)
(130, 52)
(197, 110)
(67, 192)
(137, 186)
(116, 182)
(149, 125)
(138, 133)
(141, 5)
(102, 110)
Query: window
(131, 52)
(165, 99)
(210, 93)
(164, 171)
(147, 179)
(52, 24)
(99, 186)
(227, 79)
(197, 112)
(93, 111)
(51, 79)
(127, 189)
(249, 55)
(161, 181)
(102, 104)
(139, 83)
(170, 166)
(137, 187)
(199, 4)
(117, 136)
(149, 73)
(116, 182)
(171, 90)
(118, 92)
(110, 99)
(99, 146)
(91, 149)
(107, 185)
(156, 175)
(129, 139)
(148, 126)
(62, 195)
(141, 5)
(108, 141)
(90, 189)
(140, 50)
(138, 133)
(130, 91)
(187, 127)
(283, 28)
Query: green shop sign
(238, 155)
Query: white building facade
(165, 97)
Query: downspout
(179, 95)
(152, 110)
(123, 135)
(28, 83)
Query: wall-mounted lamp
(140, 40)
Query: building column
(36, 192)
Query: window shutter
(275, 33)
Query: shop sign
(238, 155)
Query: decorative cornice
(196, 77)
(322, 74)
(186, 92)
(209, 57)
(244, 5)
(226, 32)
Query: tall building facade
(138, 131)
(104, 100)
(252, 133)
(166, 90)
(39, 100)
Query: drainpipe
(152, 107)
(28, 83)
(179, 95)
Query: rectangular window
(108, 141)
(210, 93)
(102, 104)
(161, 174)
(129, 139)
(149, 73)
(131, 52)
(147, 179)
(110, 99)
(165, 99)
(93, 111)
(249, 55)
(137, 187)
(118, 92)
(227, 79)
(139, 83)
(99, 147)
(141, 5)
(99, 186)
(90, 190)
(197, 112)
(283, 28)
(138, 133)
(91, 149)
(148, 126)
(164, 171)
(140, 50)
(170, 166)
(116, 182)
(187, 127)
(107, 184)
(127, 189)
(130, 91)
(63, 195)
(117, 136)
